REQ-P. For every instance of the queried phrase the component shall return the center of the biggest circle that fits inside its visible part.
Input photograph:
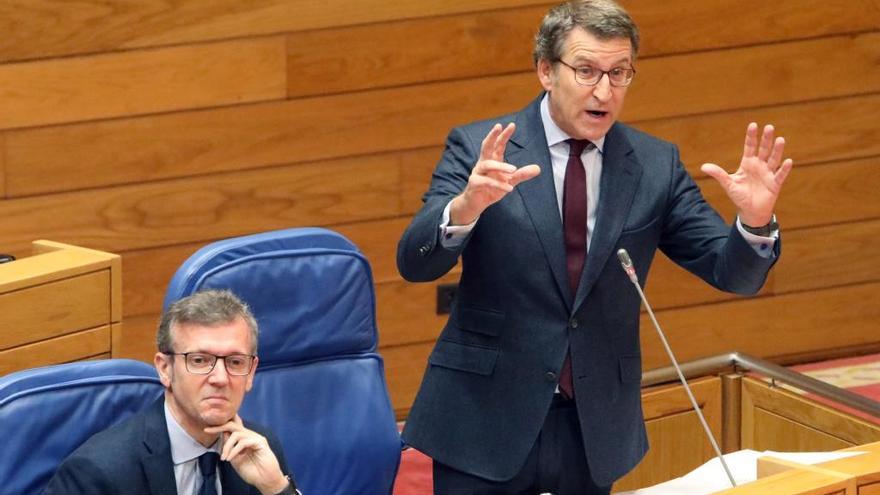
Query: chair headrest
(296, 281)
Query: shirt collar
(184, 448)
(553, 133)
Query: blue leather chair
(320, 384)
(46, 413)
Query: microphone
(629, 268)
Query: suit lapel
(156, 456)
(620, 177)
(529, 145)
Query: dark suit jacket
(493, 371)
(134, 457)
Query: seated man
(192, 441)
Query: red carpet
(414, 475)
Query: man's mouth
(596, 113)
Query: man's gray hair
(604, 19)
(208, 308)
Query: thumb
(523, 174)
(717, 173)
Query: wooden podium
(63, 303)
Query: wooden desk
(62, 304)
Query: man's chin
(217, 418)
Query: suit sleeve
(420, 256)
(697, 238)
(78, 475)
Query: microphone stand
(627, 264)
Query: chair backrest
(46, 413)
(320, 384)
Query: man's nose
(219, 373)
(602, 89)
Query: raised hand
(250, 455)
(491, 178)
(755, 186)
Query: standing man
(191, 441)
(534, 383)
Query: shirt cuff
(452, 236)
(762, 245)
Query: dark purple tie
(574, 220)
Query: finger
(766, 143)
(229, 445)
(243, 445)
(776, 155)
(525, 173)
(751, 144)
(484, 182)
(783, 171)
(501, 142)
(488, 167)
(229, 427)
(718, 174)
(488, 144)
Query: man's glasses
(587, 75)
(202, 363)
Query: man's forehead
(581, 43)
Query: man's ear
(545, 73)
(164, 364)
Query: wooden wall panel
(98, 25)
(718, 137)
(157, 147)
(767, 326)
(117, 85)
(212, 206)
(494, 42)
(836, 255)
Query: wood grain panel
(70, 347)
(99, 25)
(682, 25)
(39, 313)
(412, 51)
(156, 147)
(404, 368)
(115, 85)
(799, 322)
(136, 338)
(213, 206)
(816, 195)
(148, 271)
(418, 50)
(406, 312)
(825, 257)
(718, 137)
(752, 76)
(798, 410)
(775, 432)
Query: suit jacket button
(424, 250)
(550, 376)
(573, 323)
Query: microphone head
(624, 258)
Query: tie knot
(208, 463)
(577, 146)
